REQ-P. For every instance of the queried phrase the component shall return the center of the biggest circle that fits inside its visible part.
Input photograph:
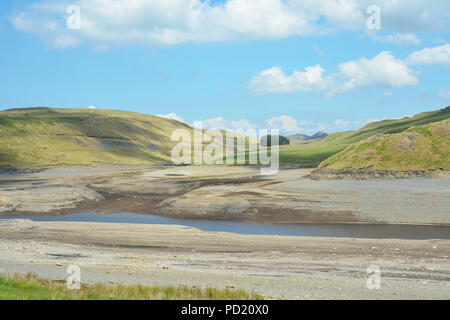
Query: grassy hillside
(47, 137)
(44, 136)
(425, 147)
(34, 137)
(314, 153)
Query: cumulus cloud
(383, 71)
(154, 22)
(428, 56)
(275, 80)
(284, 123)
(172, 116)
(220, 123)
(242, 124)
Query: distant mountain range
(303, 138)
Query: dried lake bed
(229, 193)
(281, 266)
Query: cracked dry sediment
(43, 197)
(223, 192)
(279, 267)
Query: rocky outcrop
(12, 171)
(365, 174)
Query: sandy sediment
(278, 267)
(223, 192)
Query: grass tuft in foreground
(30, 287)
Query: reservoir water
(376, 231)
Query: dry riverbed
(222, 192)
(278, 267)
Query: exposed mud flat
(221, 192)
(278, 267)
(366, 174)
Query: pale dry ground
(227, 193)
(279, 267)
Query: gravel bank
(279, 267)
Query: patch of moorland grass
(30, 287)
(306, 155)
(429, 150)
(423, 130)
(130, 174)
(6, 158)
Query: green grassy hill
(425, 147)
(36, 137)
(47, 137)
(312, 154)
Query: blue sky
(298, 66)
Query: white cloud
(275, 80)
(154, 22)
(168, 22)
(399, 39)
(218, 123)
(383, 71)
(172, 116)
(436, 55)
(444, 94)
(242, 125)
(92, 107)
(284, 123)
